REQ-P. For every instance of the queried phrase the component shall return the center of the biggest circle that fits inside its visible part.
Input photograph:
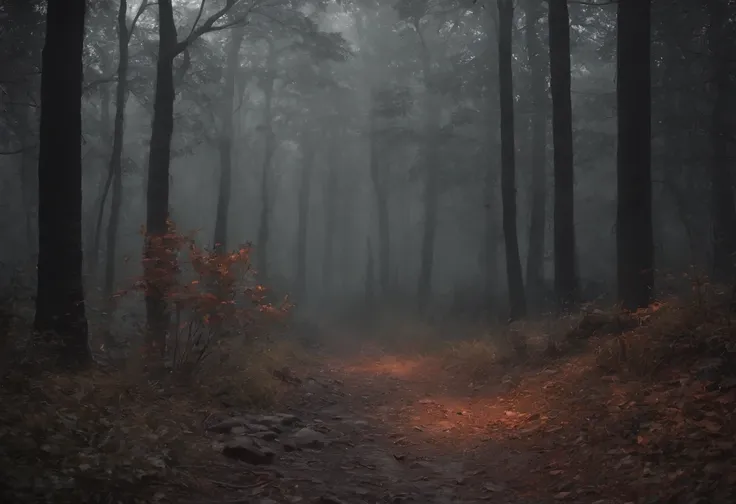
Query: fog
(364, 99)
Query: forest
(363, 251)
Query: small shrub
(209, 297)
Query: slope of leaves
(647, 416)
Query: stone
(266, 435)
(227, 425)
(247, 450)
(308, 438)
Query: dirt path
(386, 429)
(378, 428)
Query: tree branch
(199, 16)
(209, 25)
(141, 8)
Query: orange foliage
(210, 294)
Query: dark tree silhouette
(517, 301)
(225, 143)
(60, 309)
(538, 67)
(305, 189)
(564, 218)
(159, 157)
(269, 149)
(634, 233)
(723, 211)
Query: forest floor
(643, 416)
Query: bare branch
(183, 69)
(199, 16)
(141, 8)
(207, 26)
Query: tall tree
(305, 189)
(159, 157)
(115, 171)
(23, 30)
(378, 169)
(60, 298)
(564, 216)
(517, 300)
(634, 230)
(537, 65)
(330, 206)
(723, 211)
(267, 84)
(225, 144)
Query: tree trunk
(305, 189)
(94, 248)
(380, 190)
(330, 210)
(370, 294)
(226, 140)
(517, 301)
(27, 166)
(431, 186)
(116, 159)
(264, 230)
(159, 161)
(566, 288)
(490, 237)
(535, 257)
(723, 212)
(60, 305)
(634, 233)
(26, 21)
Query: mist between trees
(490, 160)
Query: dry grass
(246, 376)
(479, 358)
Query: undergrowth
(123, 431)
(117, 436)
(642, 344)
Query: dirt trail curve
(373, 430)
(385, 429)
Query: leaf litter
(571, 429)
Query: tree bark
(226, 140)
(60, 308)
(517, 301)
(116, 159)
(537, 64)
(94, 247)
(159, 161)
(566, 288)
(269, 148)
(431, 185)
(634, 231)
(330, 217)
(723, 212)
(305, 190)
(380, 190)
